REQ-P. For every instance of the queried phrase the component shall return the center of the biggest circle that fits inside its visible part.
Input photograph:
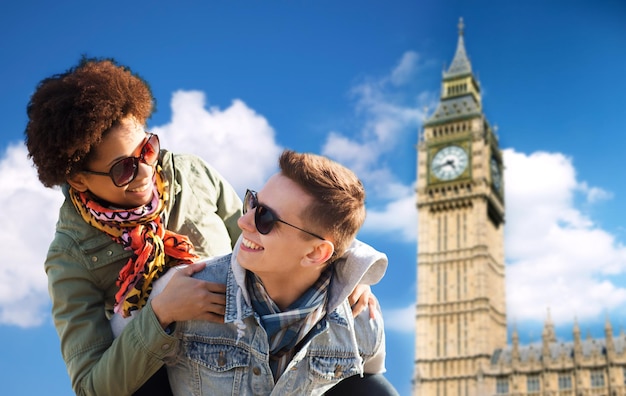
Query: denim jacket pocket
(215, 356)
(333, 368)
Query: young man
(288, 323)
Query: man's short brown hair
(338, 207)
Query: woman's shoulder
(76, 241)
(72, 229)
(178, 161)
(189, 167)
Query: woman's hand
(361, 298)
(187, 298)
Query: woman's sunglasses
(264, 218)
(125, 170)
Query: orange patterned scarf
(141, 230)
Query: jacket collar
(360, 264)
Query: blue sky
(236, 82)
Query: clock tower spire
(461, 310)
(460, 90)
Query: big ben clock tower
(461, 310)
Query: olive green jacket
(83, 264)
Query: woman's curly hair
(70, 112)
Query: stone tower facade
(461, 334)
(461, 311)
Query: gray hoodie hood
(360, 264)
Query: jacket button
(165, 347)
(94, 258)
(256, 371)
(109, 253)
(221, 360)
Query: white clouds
(398, 218)
(557, 257)
(405, 69)
(386, 121)
(29, 212)
(354, 154)
(237, 141)
(595, 194)
(400, 319)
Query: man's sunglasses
(264, 218)
(125, 170)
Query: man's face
(279, 253)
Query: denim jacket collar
(360, 264)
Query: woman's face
(122, 141)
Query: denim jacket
(233, 358)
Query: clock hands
(448, 162)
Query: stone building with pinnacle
(461, 330)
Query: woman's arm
(97, 364)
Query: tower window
(445, 284)
(458, 338)
(502, 385)
(445, 233)
(438, 283)
(438, 339)
(532, 384)
(458, 231)
(465, 335)
(445, 339)
(438, 234)
(597, 378)
(464, 229)
(458, 282)
(565, 381)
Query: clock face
(449, 163)
(496, 176)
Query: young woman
(131, 210)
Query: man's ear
(78, 182)
(319, 254)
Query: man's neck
(285, 290)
